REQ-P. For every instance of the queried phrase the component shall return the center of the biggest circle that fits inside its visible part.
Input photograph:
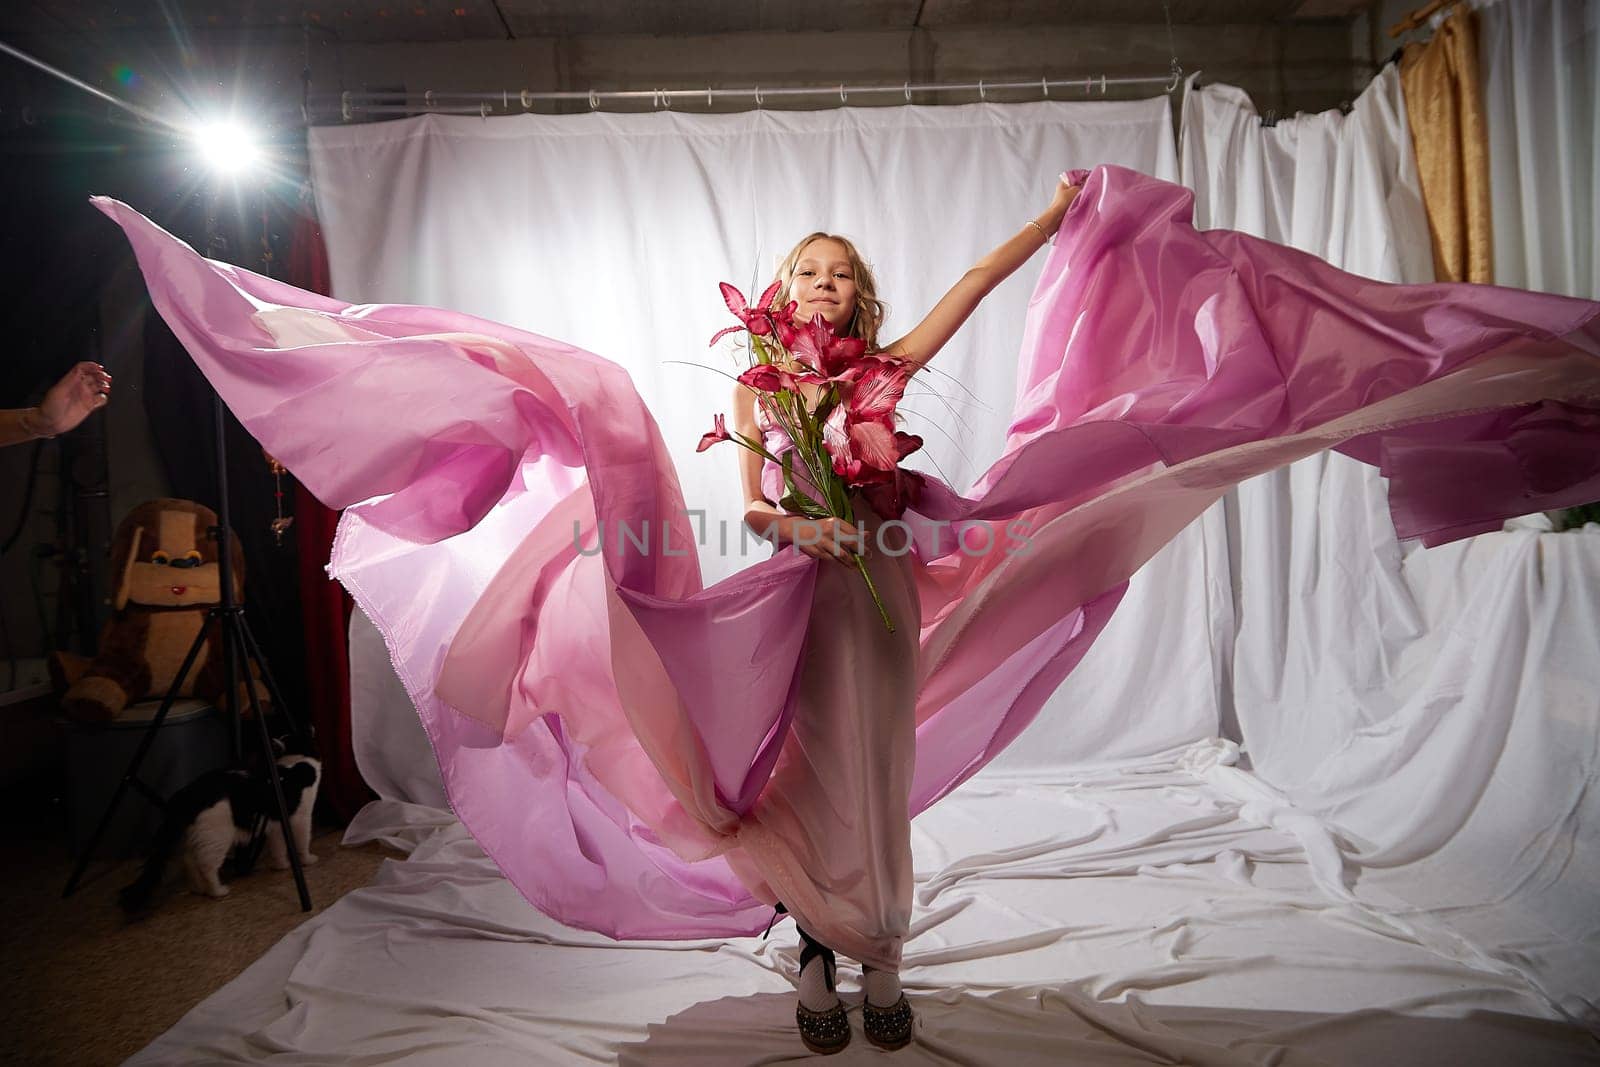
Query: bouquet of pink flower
(843, 433)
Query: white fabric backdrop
(1432, 713)
(1540, 61)
(1323, 610)
(611, 232)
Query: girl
(830, 835)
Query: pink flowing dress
(829, 834)
(650, 757)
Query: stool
(194, 738)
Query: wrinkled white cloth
(1128, 914)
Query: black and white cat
(212, 815)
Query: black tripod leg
(254, 652)
(138, 758)
(245, 859)
(277, 784)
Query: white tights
(882, 987)
(814, 991)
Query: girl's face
(824, 284)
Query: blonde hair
(870, 311)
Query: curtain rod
(350, 104)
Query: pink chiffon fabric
(627, 743)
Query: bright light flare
(228, 147)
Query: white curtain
(1317, 558)
(1430, 715)
(1540, 61)
(611, 232)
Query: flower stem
(883, 612)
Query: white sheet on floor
(1132, 914)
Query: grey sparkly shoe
(827, 1031)
(888, 1028)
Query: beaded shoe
(888, 1028)
(826, 1031)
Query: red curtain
(324, 605)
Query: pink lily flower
(719, 432)
(757, 318)
(859, 449)
(873, 386)
(863, 453)
(783, 324)
(880, 445)
(816, 345)
(873, 442)
(836, 441)
(771, 378)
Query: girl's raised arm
(947, 316)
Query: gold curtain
(1449, 133)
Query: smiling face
(824, 283)
(825, 274)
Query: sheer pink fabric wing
(602, 720)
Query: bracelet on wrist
(1047, 238)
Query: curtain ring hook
(982, 93)
(908, 92)
(1177, 76)
(483, 111)
(427, 99)
(344, 106)
(708, 98)
(1044, 86)
(505, 99)
(843, 96)
(1102, 85)
(527, 100)
(1088, 84)
(594, 104)
(758, 97)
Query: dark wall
(64, 302)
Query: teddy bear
(164, 562)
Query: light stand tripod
(238, 647)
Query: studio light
(227, 146)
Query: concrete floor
(81, 985)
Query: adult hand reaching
(82, 390)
